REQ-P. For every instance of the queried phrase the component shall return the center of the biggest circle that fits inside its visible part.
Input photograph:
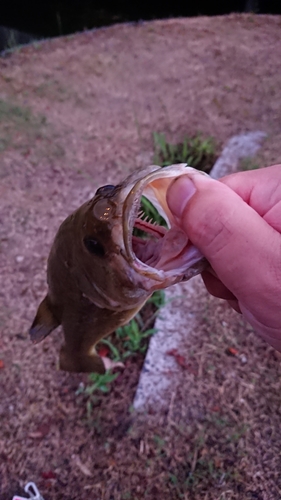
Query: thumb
(240, 246)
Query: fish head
(100, 266)
(163, 255)
(117, 267)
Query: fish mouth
(155, 244)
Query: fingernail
(179, 193)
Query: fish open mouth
(154, 240)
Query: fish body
(100, 274)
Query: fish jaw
(167, 256)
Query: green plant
(18, 114)
(100, 382)
(158, 299)
(133, 338)
(197, 151)
(114, 350)
(18, 125)
(160, 444)
(97, 383)
(151, 212)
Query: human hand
(236, 224)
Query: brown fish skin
(73, 301)
(96, 282)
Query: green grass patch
(197, 151)
(28, 133)
(18, 125)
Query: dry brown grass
(101, 95)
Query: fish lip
(130, 211)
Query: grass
(54, 90)
(18, 125)
(28, 133)
(197, 151)
(133, 339)
(19, 115)
(151, 212)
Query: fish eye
(105, 190)
(93, 246)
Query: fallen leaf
(103, 351)
(35, 435)
(218, 462)
(109, 364)
(204, 452)
(181, 361)
(48, 475)
(41, 431)
(231, 351)
(215, 408)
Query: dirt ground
(77, 112)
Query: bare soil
(75, 113)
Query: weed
(97, 384)
(133, 338)
(205, 468)
(151, 212)
(16, 113)
(114, 350)
(53, 89)
(160, 444)
(173, 479)
(239, 432)
(158, 299)
(196, 151)
(219, 422)
(126, 495)
(100, 382)
(3, 144)
(17, 124)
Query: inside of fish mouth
(158, 241)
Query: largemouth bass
(100, 273)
